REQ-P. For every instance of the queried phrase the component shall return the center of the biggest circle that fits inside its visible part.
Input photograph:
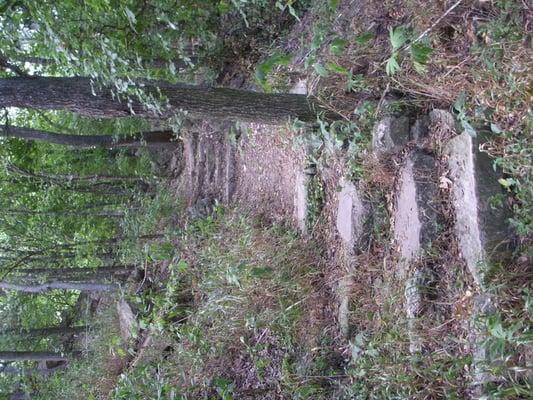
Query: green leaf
(356, 82)
(495, 129)
(337, 46)
(468, 128)
(392, 65)
(182, 266)
(506, 183)
(420, 68)
(131, 17)
(292, 12)
(397, 37)
(287, 5)
(363, 38)
(333, 4)
(421, 53)
(320, 70)
(333, 67)
(263, 69)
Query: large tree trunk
(31, 371)
(106, 271)
(84, 141)
(45, 287)
(104, 213)
(76, 95)
(39, 332)
(31, 356)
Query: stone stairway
(209, 166)
(441, 229)
(440, 221)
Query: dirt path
(251, 166)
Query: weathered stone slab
(126, 320)
(414, 229)
(390, 133)
(420, 128)
(230, 175)
(414, 305)
(349, 222)
(415, 217)
(300, 87)
(407, 225)
(480, 229)
(300, 201)
(350, 213)
(483, 308)
(343, 295)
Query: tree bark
(85, 141)
(108, 214)
(45, 287)
(31, 371)
(38, 332)
(76, 95)
(31, 356)
(118, 269)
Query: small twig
(380, 104)
(449, 10)
(455, 67)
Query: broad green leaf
(292, 12)
(421, 53)
(320, 70)
(333, 67)
(363, 38)
(392, 65)
(337, 46)
(263, 69)
(506, 183)
(495, 129)
(468, 128)
(397, 37)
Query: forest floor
(328, 262)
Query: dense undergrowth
(235, 313)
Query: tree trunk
(76, 95)
(84, 141)
(38, 332)
(45, 287)
(31, 356)
(31, 371)
(105, 213)
(118, 269)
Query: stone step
(483, 232)
(230, 177)
(391, 133)
(415, 221)
(351, 214)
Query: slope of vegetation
(114, 284)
